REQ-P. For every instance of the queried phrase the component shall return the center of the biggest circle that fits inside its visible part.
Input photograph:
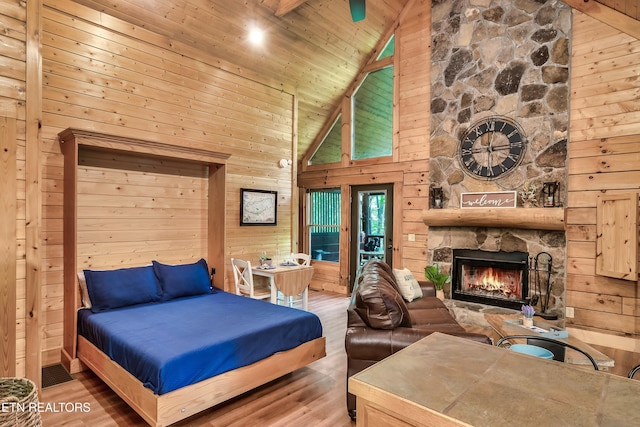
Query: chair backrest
(301, 258)
(243, 277)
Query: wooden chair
(557, 347)
(299, 258)
(243, 277)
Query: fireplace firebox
(493, 278)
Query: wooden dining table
(290, 280)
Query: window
(373, 116)
(389, 49)
(330, 149)
(324, 224)
(373, 211)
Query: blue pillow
(183, 280)
(110, 289)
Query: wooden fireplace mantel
(527, 218)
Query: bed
(171, 345)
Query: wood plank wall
(13, 59)
(104, 75)
(134, 209)
(407, 168)
(414, 104)
(604, 156)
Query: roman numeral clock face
(491, 148)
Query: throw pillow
(183, 280)
(109, 289)
(409, 286)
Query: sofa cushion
(433, 317)
(408, 285)
(379, 304)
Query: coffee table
(497, 322)
(445, 381)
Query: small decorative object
(528, 195)
(549, 193)
(265, 260)
(437, 197)
(527, 311)
(488, 199)
(432, 273)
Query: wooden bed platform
(182, 403)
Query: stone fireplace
(507, 58)
(492, 278)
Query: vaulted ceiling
(311, 47)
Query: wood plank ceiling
(311, 47)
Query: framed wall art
(258, 207)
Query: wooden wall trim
(33, 196)
(121, 143)
(609, 16)
(8, 175)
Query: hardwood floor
(312, 396)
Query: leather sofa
(380, 322)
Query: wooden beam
(526, 218)
(609, 16)
(286, 6)
(33, 201)
(8, 174)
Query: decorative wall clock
(492, 147)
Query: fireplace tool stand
(541, 268)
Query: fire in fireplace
(493, 278)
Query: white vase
(527, 322)
(440, 294)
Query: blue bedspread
(172, 344)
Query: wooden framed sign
(489, 199)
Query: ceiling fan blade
(358, 9)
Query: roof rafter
(286, 6)
(609, 16)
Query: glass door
(371, 225)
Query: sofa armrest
(428, 289)
(376, 344)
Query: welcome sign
(495, 199)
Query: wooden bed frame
(79, 354)
(162, 410)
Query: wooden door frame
(390, 232)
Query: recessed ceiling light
(256, 35)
